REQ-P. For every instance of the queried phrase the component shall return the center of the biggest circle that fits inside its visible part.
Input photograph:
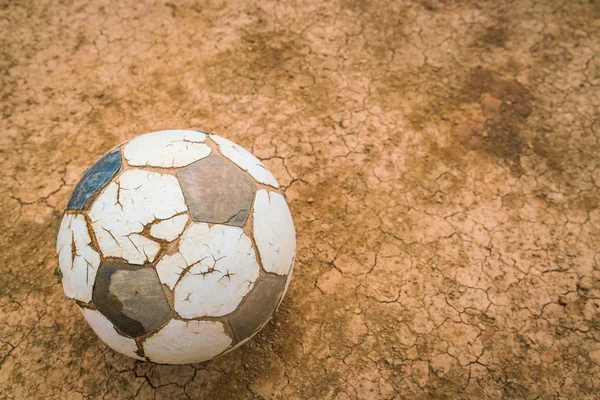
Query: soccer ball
(177, 246)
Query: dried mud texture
(440, 159)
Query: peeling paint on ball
(178, 246)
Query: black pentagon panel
(216, 191)
(94, 178)
(258, 306)
(131, 297)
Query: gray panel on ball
(131, 297)
(94, 178)
(216, 191)
(258, 306)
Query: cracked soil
(440, 157)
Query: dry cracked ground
(441, 160)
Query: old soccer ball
(177, 246)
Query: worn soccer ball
(177, 246)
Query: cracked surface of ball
(177, 245)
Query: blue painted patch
(94, 178)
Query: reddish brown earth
(441, 159)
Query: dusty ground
(440, 157)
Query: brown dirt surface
(441, 160)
